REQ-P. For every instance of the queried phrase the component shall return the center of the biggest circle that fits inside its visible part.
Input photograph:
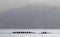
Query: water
(29, 35)
(8, 33)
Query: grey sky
(35, 13)
(8, 4)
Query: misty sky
(29, 14)
(8, 4)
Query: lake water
(8, 33)
(29, 35)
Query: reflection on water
(29, 35)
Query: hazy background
(17, 14)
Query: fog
(9, 4)
(30, 14)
